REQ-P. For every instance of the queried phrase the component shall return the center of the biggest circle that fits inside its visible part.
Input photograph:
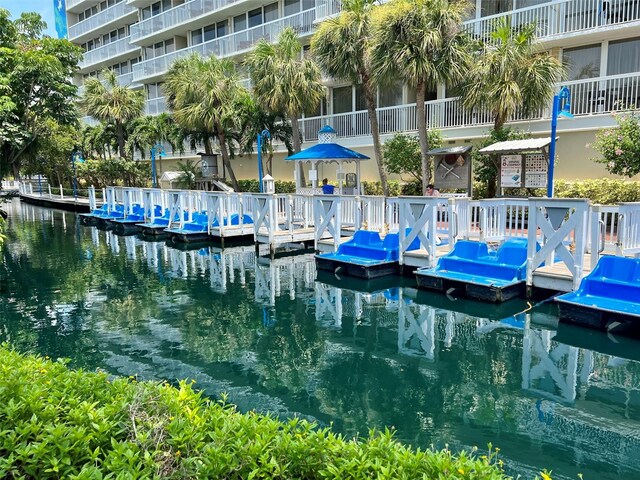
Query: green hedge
(252, 185)
(61, 423)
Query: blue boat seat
(471, 262)
(614, 285)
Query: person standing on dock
(326, 188)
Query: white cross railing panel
(418, 219)
(557, 220)
(265, 215)
(327, 217)
(629, 230)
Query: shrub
(620, 146)
(60, 423)
(401, 154)
(252, 185)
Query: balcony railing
(177, 15)
(561, 17)
(155, 106)
(228, 45)
(74, 3)
(108, 51)
(100, 19)
(592, 96)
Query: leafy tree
(510, 74)
(422, 42)
(341, 48)
(52, 157)
(107, 101)
(486, 167)
(620, 146)
(97, 141)
(255, 122)
(284, 81)
(402, 156)
(205, 96)
(35, 85)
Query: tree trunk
(421, 90)
(120, 136)
(492, 183)
(370, 99)
(297, 146)
(225, 158)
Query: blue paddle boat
(607, 299)
(489, 276)
(196, 230)
(366, 255)
(131, 222)
(92, 217)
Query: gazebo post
(314, 180)
(358, 191)
(341, 174)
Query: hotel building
(598, 40)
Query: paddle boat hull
(608, 299)
(366, 256)
(470, 268)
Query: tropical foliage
(421, 41)
(620, 146)
(147, 131)
(114, 171)
(285, 81)
(341, 46)
(510, 74)
(109, 102)
(35, 86)
(402, 156)
(61, 423)
(205, 97)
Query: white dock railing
(629, 230)
(418, 220)
(559, 220)
(503, 217)
(327, 218)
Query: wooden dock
(81, 205)
(557, 276)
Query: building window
(390, 96)
(342, 99)
(209, 33)
(222, 29)
(255, 17)
(582, 62)
(271, 12)
(240, 22)
(624, 57)
(291, 7)
(196, 37)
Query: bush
(602, 191)
(60, 423)
(620, 146)
(252, 185)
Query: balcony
(176, 17)
(603, 95)
(229, 45)
(107, 53)
(119, 12)
(79, 5)
(155, 106)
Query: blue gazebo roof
(327, 151)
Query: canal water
(277, 337)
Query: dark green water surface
(277, 338)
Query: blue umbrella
(327, 151)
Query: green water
(352, 354)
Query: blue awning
(327, 151)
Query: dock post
(272, 251)
(61, 193)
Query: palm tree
(107, 101)
(205, 95)
(149, 130)
(509, 74)
(284, 81)
(258, 120)
(422, 42)
(341, 48)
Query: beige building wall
(573, 162)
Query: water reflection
(278, 337)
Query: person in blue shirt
(326, 188)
